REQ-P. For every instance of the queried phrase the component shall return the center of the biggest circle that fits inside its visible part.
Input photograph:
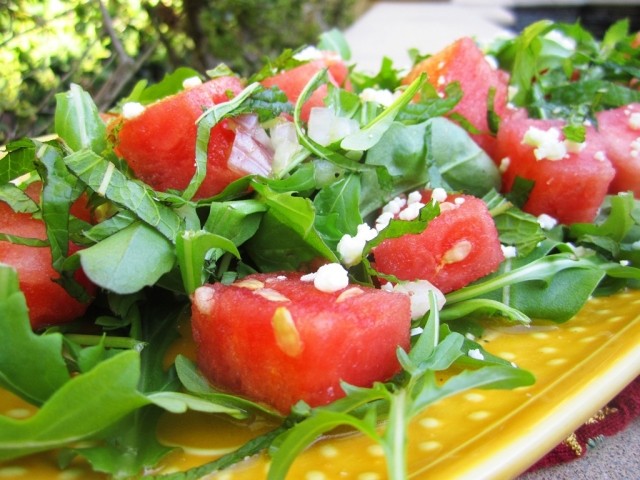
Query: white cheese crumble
(634, 121)
(547, 144)
(308, 54)
(383, 97)
(191, 82)
(418, 292)
(547, 222)
(328, 278)
(351, 248)
(625, 263)
(132, 110)
(475, 353)
(414, 197)
(439, 194)
(395, 205)
(574, 147)
(383, 220)
(411, 211)
(509, 251)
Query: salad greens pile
(100, 383)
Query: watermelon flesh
(457, 247)
(570, 188)
(48, 302)
(620, 128)
(464, 62)
(277, 339)
(159, 144)
(293, 81)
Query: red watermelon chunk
(457, 247)
(464, 62)
(277, 339)
(48, 302)
(159, 144)
(293, 81)
(620, 128)
(570, 184)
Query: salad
(431, 200)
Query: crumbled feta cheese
(418, 292)
(625, 263)
(459, 201)
(546, 222)
(394, 206)
(383, 97)
(509, 251)
(634, 121)
(504, 164)
(309, 53)
(414, 197)
(574, 147)
(475, 353)
(350, 248)
(547, 143)
(439, 194)
(512, 91)
(600, 156)
(383, 220)
(191, 82)
(328, 278)
(132, 110)
(441, 80)
(411, 211)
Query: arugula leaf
(78, 122)
(127, 261)
(18, 160)
(296, 214)
(105, 179)
(371, 133)
(31, 365)
(17, 199)
(69, 415)
(337, 210)
(192, 249)
(333, 41)
(170, 84)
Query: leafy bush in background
(106, 46)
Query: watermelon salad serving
(333, 240)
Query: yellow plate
(579, 365)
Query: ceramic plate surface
(482, 434)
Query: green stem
(108, 342)
(396, 437)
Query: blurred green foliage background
(107, 45)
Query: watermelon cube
(458, 246)
(278, 339)
(620, 128)
(159, 142)
(464, 62)
(570, 181)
